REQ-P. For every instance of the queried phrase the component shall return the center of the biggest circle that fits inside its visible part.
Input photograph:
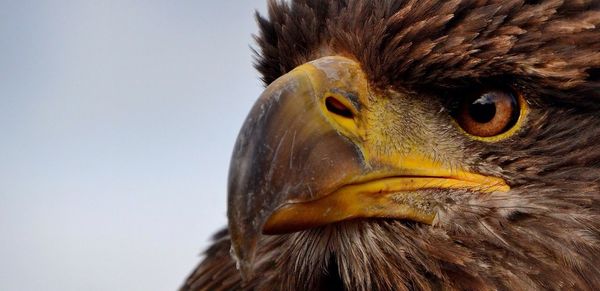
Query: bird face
(321, 147)
(383, 154)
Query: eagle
(417, 145)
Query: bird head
(435, 143)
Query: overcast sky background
(117, 121)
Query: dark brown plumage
(543, 234)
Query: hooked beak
(305, 158)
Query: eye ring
(491, 115)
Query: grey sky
(117, 119)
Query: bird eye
(489, 113)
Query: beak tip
(243, 252)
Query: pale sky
(117, 121)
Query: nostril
(336, 107)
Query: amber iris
(489, 113)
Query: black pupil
(483, 109)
